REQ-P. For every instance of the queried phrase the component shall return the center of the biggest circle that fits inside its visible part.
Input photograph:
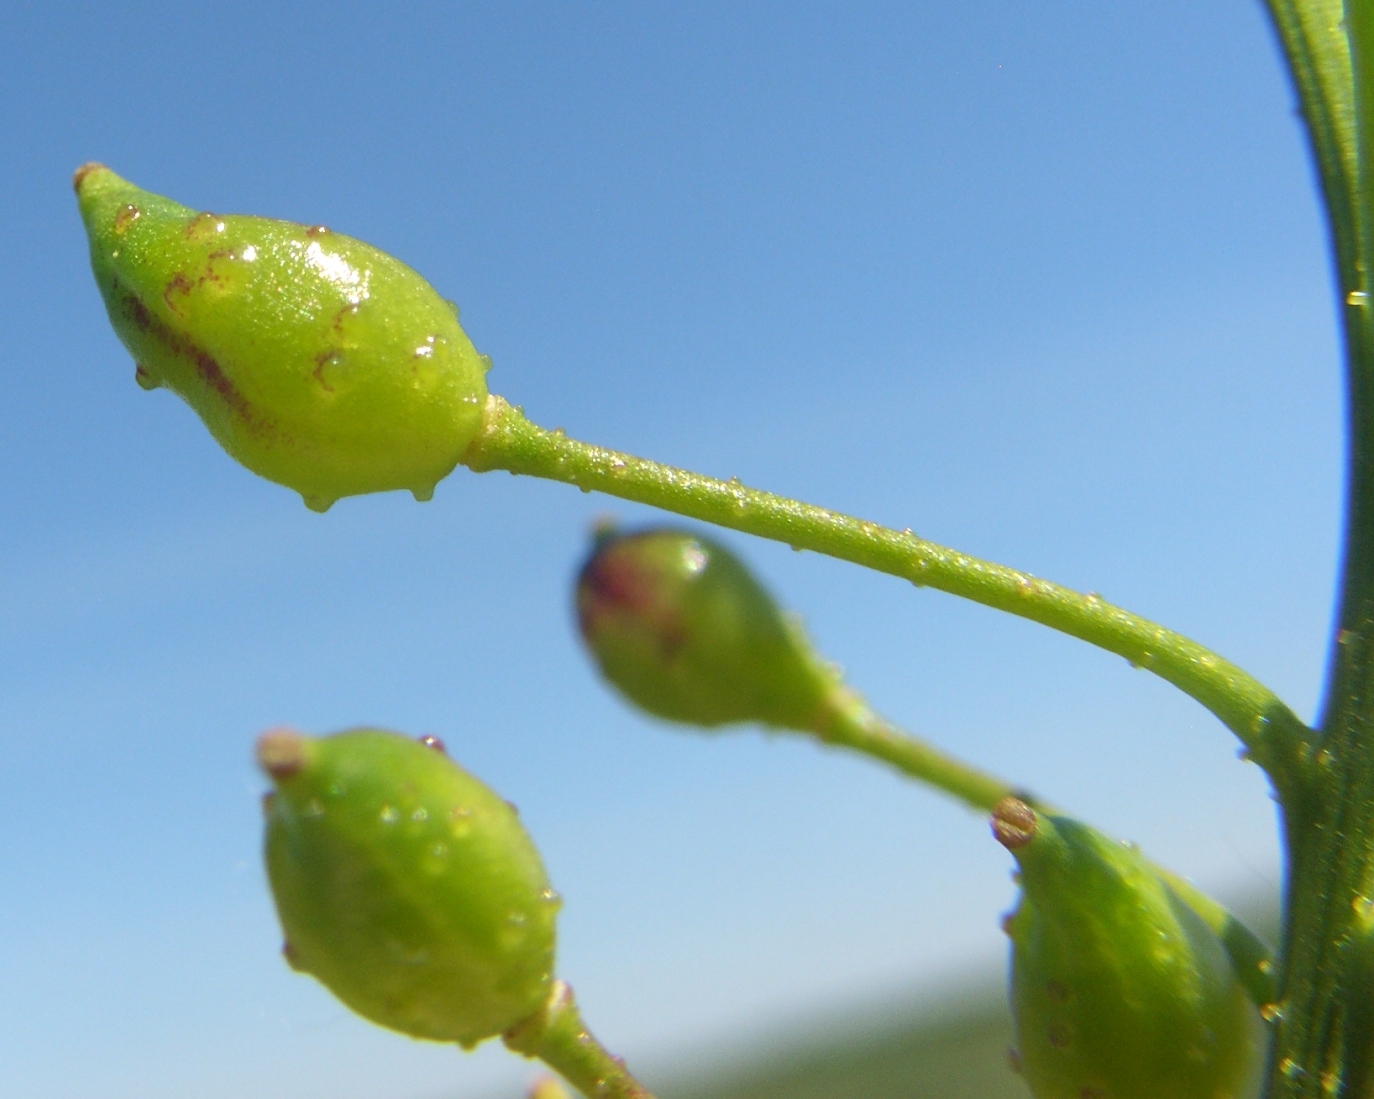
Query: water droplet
(439, 850)
(431, 741)
(316, 503)
(420, 814)
(1270, 1012)
(145, 377)
(516, 919)
(551, 897)
(1025, 584)
(423, 495)
(388, 815)
(1356, 297)
(313, 808)
(618, 466)
(125, 217)
(1291, 1069)
(250, 253)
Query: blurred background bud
(680, 627)
(405, 885)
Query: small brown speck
(1059, 1036)
(1014, 1060)
(1013, 823)
(1056, 992)
(126, 216)
(317, 231)
(267, 800)
(431, 741)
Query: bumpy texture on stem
(557, 1036)
(1269, 729)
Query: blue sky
(1046, 283)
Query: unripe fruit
(1119, 990)
(316, 360)
(406, 886)
(678, 624)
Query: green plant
(338, 394)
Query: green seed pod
(678, 624)
(406, 886)
(1119, 989)
(316, 360)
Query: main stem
(1324, 1039)
(1271, 733)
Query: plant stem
(1324, 1041)
(557, 1036)
(849, 722)
(1272, 734)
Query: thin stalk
(849, 722)
(1271, 732)
(556, 1035)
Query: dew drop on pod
(314, 359)
(1119, 990)
(406, 886)
(680, 626)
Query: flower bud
(1119, 989)
(406, 886)
(679, 625)
(316, 360)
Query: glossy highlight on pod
(316, 360)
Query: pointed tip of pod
(281, 753)
(1013, 823)
(82, 174)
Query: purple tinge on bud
(680, 626)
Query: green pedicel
(406, 886)
(314, 359)
(1119, 989)
(678, 624)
